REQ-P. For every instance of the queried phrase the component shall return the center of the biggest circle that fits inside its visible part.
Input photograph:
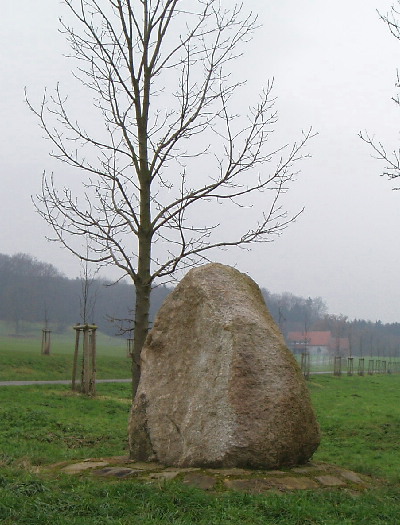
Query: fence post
(129, 347)
(370, 367)
(305, 364)
(350, 366)
(46, 344)
(75, 362)
(361, 366)
(92, 343)
(337, 369)
(88, 373)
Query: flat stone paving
(313, 476)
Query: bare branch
(168, 141)
(391, 159)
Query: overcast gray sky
(334, 64)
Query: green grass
(71, 501)
(28, 366)
(40, 425)
(62, 344)
(21, 358)
(360, 419)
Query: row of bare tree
(32, 291)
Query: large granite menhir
(218, 387)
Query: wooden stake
(86, 361)
(75, 363)
(93, 367)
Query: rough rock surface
(218, 387)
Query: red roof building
(317, 343)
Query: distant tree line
(36, 292)
(366, 338)
(32, 291)
(294, 313)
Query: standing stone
(218, 386)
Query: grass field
(40, 425)
(21, 359)
(360, 419)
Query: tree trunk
(145, 235)
(143, 277)
(142, 308)
(142, 304)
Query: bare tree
(169, 146)
(380, 152)
(87, 307)
(89, 290)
